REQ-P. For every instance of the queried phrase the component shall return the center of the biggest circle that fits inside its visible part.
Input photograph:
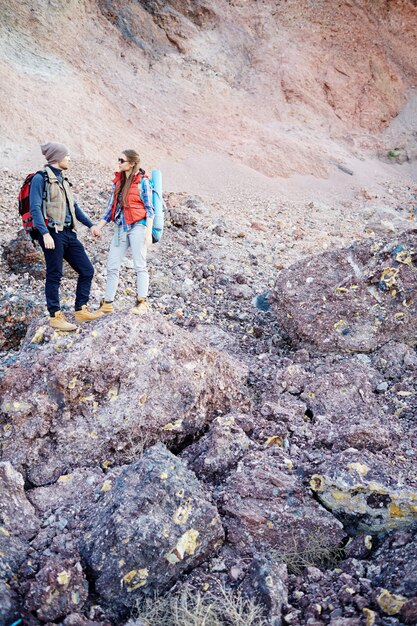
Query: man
(55, 215)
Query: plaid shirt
(145, 193)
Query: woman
(130, 208)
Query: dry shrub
(317, 554)
(191, 607)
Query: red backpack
(24, 203)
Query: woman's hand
(148, 239)
(95, 230)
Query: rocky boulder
(351, 299)
(18, 524)
(17, 310)
(335, 403)
(102, 395)
(22, 256)
(151, 526)
(219, 450)
(367, 492)
(13, 552)
(266, 581)
(17, 515)
(58, 589)
(396, 361)
(266, 506)
(394, 564)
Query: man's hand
(95, 231)
(49, 242)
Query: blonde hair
(133, 157)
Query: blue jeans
(67, 247)
(120, 244)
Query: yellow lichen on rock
(38, 336)
(369, 616)
(173, 425)
(317, 482)
(390, 603)
(182, 514)
(63, 578)
(378, 506)
(64, 478)
(274, 440)
(389, 276)
(360, 468)
(135, 578)
(340, 326)
(186, 544)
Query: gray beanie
(54, 152)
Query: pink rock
(59, 588)
(104, 395)
(352, 299)
(266, 507)
(154, 524)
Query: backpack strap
(154, 191)
(46, 194)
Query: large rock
(342, 408)
(367, 492)
(22, 256)
(13, 552)
(352, 299)
(17, 310)
(18, 524)
(394, 564)
(150, 527)
(266, 506)
(102, 395)
(266, 582)
(17, 515)
(58, 589)
(8, 604)
(396, 361)
(219, 450)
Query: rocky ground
(267, 453)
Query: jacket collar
(53, 173)
(118, 176)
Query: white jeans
(121, 242)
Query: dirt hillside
(285, 88)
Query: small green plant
(393, 154)
(191, 607)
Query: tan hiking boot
(140, 307)
(85, 315)
(106, 307)
(60, 323)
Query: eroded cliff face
(281, 87)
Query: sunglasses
(121, 161)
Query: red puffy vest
(133, 207)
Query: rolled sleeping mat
(158, 203)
